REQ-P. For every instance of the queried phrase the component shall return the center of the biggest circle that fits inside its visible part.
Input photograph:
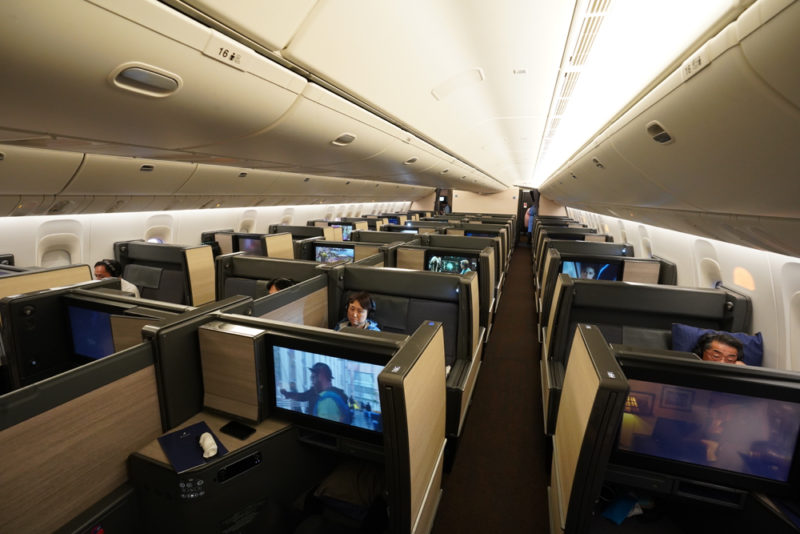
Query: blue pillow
(684, 338)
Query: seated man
(359, 306)
(109, 268)
(722, 348)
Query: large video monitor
(326, 388)
(713, 423)
(333, 254)
(91, 332)
(591, 270)
(442, 261)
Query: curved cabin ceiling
(147, 105)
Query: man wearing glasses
(721, 348)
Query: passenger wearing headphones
(277, 284)
(359, 306)
(109, 268)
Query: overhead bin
(321, 130)
(718, 135)
(106, 175)
(222, 180)
(31, 171)
(140, 80)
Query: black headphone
(112, 266)
(281, 283)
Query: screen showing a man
(328, 387)
(590, 270)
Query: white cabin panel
(270, 23)
(789, 313)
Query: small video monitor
(592, 270)
(393, 220)
(91, 332)
(252, 246)
(448, 262)
(332, 254)
(347, 229)
(410, 231)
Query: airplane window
(743, 279)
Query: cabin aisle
(498, 482)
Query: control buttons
(191, 488)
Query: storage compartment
(151, 77)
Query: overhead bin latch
(145, 79)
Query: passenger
(324, 399)
(588, 272)
(720, 347)
(359, 306)
(530, 216)
(277, 284)
(109, 268)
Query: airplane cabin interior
(400, 267)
